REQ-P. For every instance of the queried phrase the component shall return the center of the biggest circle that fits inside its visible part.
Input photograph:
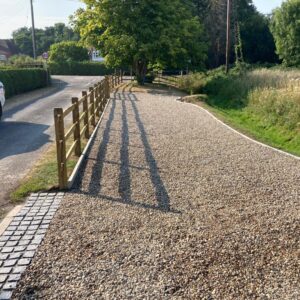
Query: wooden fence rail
(86, 113)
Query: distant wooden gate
(86, 113)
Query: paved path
(22, 237)
(27, 127)
(172, 205)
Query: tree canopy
(143, 33)
(44, 38)
(256, 40)
(67, 52)
(286, 30)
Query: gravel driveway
(172, 205)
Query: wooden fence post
(107, 88)
(96, 88)
(75, 114)
(92, 101)
(103, 95)
(86, 117)
(100, 88)
(61, 148)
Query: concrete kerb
(75, 172)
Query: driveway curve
(172, 205)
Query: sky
(16, 13)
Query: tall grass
(264, 102)
(272, 94)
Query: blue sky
(16, 13)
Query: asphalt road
(27, 128)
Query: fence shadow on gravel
(124, 185)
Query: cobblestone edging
(23, 236)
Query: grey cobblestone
(19, 249)
(7, 250)
(29, 254)
(15, 255)
(3, 278)
(10, 263)
(14, 277)
(5, 270)
(24, 262)
(5, 295)
(15, 238)
(3, 256)
(10, 285)
(23, 236)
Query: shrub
(17, 81)
(79, 68)
(192, 83)
(67, 52)
(21, 59)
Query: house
(95, 55)
(7, 49)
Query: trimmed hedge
(17, 81)
(85, 68)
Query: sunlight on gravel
(172, 205)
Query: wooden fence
(171, 80)
(86, 113)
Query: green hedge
(17, 81)
(79, 68)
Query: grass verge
(43, 176)
(262, 103)
(253, 126)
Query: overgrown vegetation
(17, 81)
(263, 102)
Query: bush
(67, 52)
(192, 83)
(79, 68)
(21, 59)
(17, 81)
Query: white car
(2, 98)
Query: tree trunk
(140, 70)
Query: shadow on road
(21, 138)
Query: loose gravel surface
(172, 205)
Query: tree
(67, 52)
(285, 27)
(44, 38)
(256, 39)
(142, 33)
